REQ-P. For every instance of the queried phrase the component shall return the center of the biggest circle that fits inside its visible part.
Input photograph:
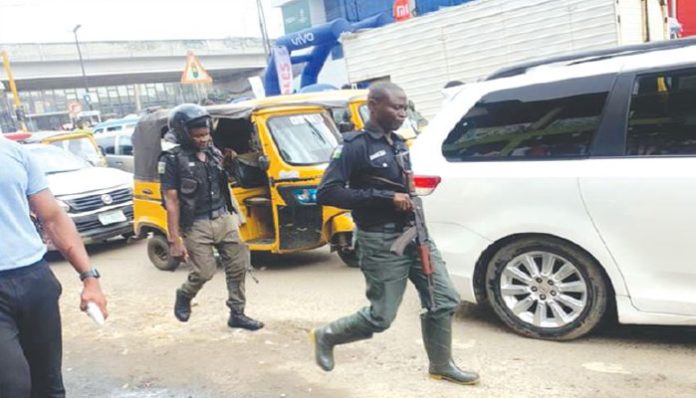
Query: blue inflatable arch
(322, 39)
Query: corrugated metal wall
(472, 40)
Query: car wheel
(546, 288)
(158, 252)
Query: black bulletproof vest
(203, 186)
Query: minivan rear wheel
(547, 288)
(158, 252)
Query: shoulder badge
(337, 152)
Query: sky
(50, 21)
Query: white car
(98, 199)
(568, 189)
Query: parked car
(78, 142)
(568, 188)
(118, 148)
(115, 125)
(98, 199)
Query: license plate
(112, 217)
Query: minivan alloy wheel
(543, 289)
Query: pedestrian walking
(30, 326)
(199, 214)
(366, 176)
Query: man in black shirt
(199, 207)
(365, 176)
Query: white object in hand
(95, 313)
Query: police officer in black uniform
(199, 207)
(366, 177)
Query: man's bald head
(382, 90)
(387, 103)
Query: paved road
(144, 352)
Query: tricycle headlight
(305, 196)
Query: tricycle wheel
(349, 256)
(158, 252)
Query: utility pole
(13, 87)
(87, 98)
(262, 25)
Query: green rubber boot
(437, 338)
(342, 331)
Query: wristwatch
(91, 273)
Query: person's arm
(333, 190)
(62, 231)
(176, 244)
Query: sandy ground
(143, 351)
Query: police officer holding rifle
(370, 174)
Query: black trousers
(30, 333)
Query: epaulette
(348, 137)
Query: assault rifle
(418, 232)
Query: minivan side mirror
(264, 163)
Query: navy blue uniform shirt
(347, 183)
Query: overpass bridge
(123, 76)
(44, 66)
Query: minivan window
(662, 116)
(107, 145)
(304, 139)
(544, 121)
(125, 145)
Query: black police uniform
(206, 221)
(363, 176)
(367, 163)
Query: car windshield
(56, 160)
(81, 147)
(304, 139)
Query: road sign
(194, 72)
(74, 107)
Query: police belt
(213, 214)
(387, 227)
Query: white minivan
(568, 189)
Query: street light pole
(262, 25)
(82, 66)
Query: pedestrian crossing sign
(194, 72)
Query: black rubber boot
(239, 320)
(437, 338)
(182, 306)
(342, 331)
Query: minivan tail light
(425, 185)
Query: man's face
(390, 112)
(200, 137)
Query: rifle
(418, 232)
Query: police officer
(366, 177)
(199, 206)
